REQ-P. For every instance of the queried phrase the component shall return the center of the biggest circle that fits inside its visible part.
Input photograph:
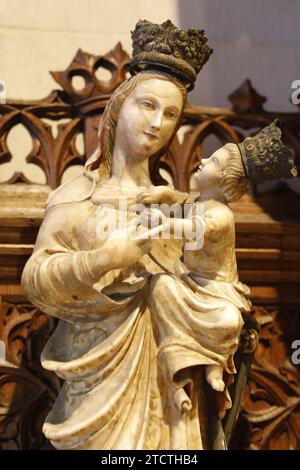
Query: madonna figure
(115, 395)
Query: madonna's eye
(171, 115)
(146, 104)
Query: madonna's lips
(152, 136)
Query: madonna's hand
(126, 247)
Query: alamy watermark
(295, 98)
(296, 94)
(158, 221)
(2, 92)
(295, 358)
(2, 352)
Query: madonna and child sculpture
(141, 309)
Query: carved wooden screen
(268, 244)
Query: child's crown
(265, 157)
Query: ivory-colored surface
(134, 327)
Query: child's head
(224, 170)
(231, 169)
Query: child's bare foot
(182, 401)
(214, 376)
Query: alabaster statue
(139, 314)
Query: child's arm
(218, 223)
(187, 228)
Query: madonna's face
(148, 118)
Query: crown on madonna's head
(170, 49)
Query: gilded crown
(168, 48)
(265, 157)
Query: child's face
(210, 168)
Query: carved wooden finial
(86, 66)
(246, 99)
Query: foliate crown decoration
(166, 47)
(265, 157)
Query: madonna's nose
(156, 121)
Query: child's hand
(156, 195)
